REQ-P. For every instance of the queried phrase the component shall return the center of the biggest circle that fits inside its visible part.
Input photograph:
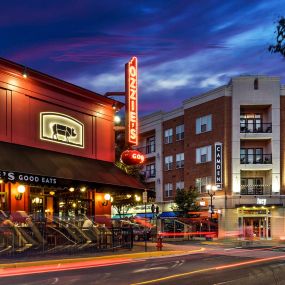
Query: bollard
(159, 243)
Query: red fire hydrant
(159, 243)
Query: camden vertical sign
(218, 165)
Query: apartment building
(230, 138)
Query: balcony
(256, 190)
(150, 174)
(256, 159)
(255, 128)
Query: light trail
(10, 272)
(223, 267)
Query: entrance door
(255, 228)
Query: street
(213, 265)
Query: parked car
(139, 233)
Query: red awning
(36, 161)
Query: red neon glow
(132, 101)
(132, 157)
(171, 234)
(27, 270)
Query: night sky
(184, 48)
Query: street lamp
(211, 192)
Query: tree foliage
(123, 202)
(186, 200)
(279, 47)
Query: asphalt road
(219, 266)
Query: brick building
(244, 119)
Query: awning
(52, 168)
(167, 215)
(122, 216)
(143, 215)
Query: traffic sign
(145, 197)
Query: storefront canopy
(20, 163)
(167, 215)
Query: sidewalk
(137, 253)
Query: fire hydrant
(159, 243)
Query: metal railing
(256, 159)
(31, 237)
(148, 149)
(256, 189)
(256, 128)
(150, 174)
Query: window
(203, 154)
(204, 124)
(252, 123)
(179, 160)
(253, 155)
(180, 132)
(150, 170)
(150, 145)
(168, 190)
(168, 162)
(201, 183)
(252, 186)
(168, 134)
(255, 84)
(179, 185)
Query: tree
(186, 200)
(123, 202)
(280, 38)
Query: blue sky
(184, 48)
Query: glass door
(250, 155)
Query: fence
(59, 236)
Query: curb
(139, 255)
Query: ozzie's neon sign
(132, 101)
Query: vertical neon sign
(132, 101)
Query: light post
(211, 192)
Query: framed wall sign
(62, 129)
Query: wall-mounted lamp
(1, 181)
(21, 190)
(117, 119)
(107, 198)
(82, 189)
(71, 189)
(51, 193)
(137, 198)
(25, 73)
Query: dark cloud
(184, 47)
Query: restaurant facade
(57, 147)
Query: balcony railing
(256, 128)
(256, 189)
(150, 174)
(147, 149)
(256, 159)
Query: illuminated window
(204, 124)
(201, 183)
(179, 160)
(204, 154)
(168, 136)
(180, 132)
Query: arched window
(255, 84)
